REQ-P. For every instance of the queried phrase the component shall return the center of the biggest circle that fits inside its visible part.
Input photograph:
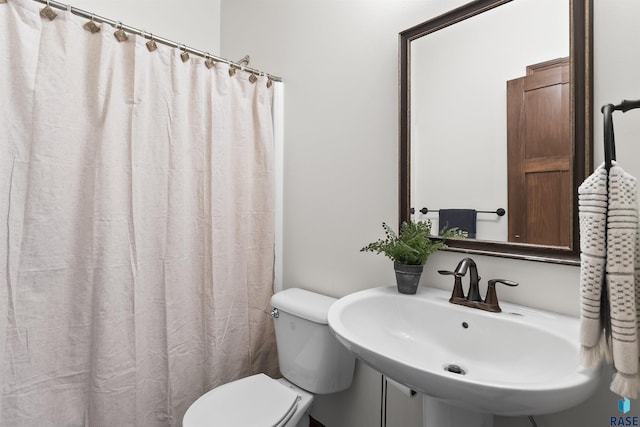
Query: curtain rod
(118, 25)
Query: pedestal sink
(522, 361)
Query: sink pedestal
(437, 413)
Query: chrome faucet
(490, 303)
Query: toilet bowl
(311, 360)
(255, 401)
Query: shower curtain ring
(151, 44)
(91, 26)
(184, 55)
(120, 35)
(208, 60)
(47, 12)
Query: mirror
(495, 118)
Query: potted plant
(409, 250)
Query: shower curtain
(136, 226)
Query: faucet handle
(457, 284)
(504, 282)
(491, 299)
(448, 273)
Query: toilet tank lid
(302, 303)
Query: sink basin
(519, 362)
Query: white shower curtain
(136, 226)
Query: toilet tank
(308, 353)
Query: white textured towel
(592, 207)
(622, 284)
(610, 249)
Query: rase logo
(624, 406)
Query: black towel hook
(609, 138)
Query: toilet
(311, 360)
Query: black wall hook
(609, 137)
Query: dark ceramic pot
(408, 277)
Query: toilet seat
(255, 401)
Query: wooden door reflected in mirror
(540, 155)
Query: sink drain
(454, 369)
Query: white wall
(339, 62)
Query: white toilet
(311, 360)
